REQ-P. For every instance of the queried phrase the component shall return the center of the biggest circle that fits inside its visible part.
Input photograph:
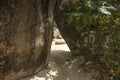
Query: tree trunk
(25, 37)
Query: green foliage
(86, 12)
(104, 15)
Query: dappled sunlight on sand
(59, 45)
(61, 66)
(49, 76)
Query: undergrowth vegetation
(100, 20)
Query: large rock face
(24, 38)
(68, 31)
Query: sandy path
(60, 66)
